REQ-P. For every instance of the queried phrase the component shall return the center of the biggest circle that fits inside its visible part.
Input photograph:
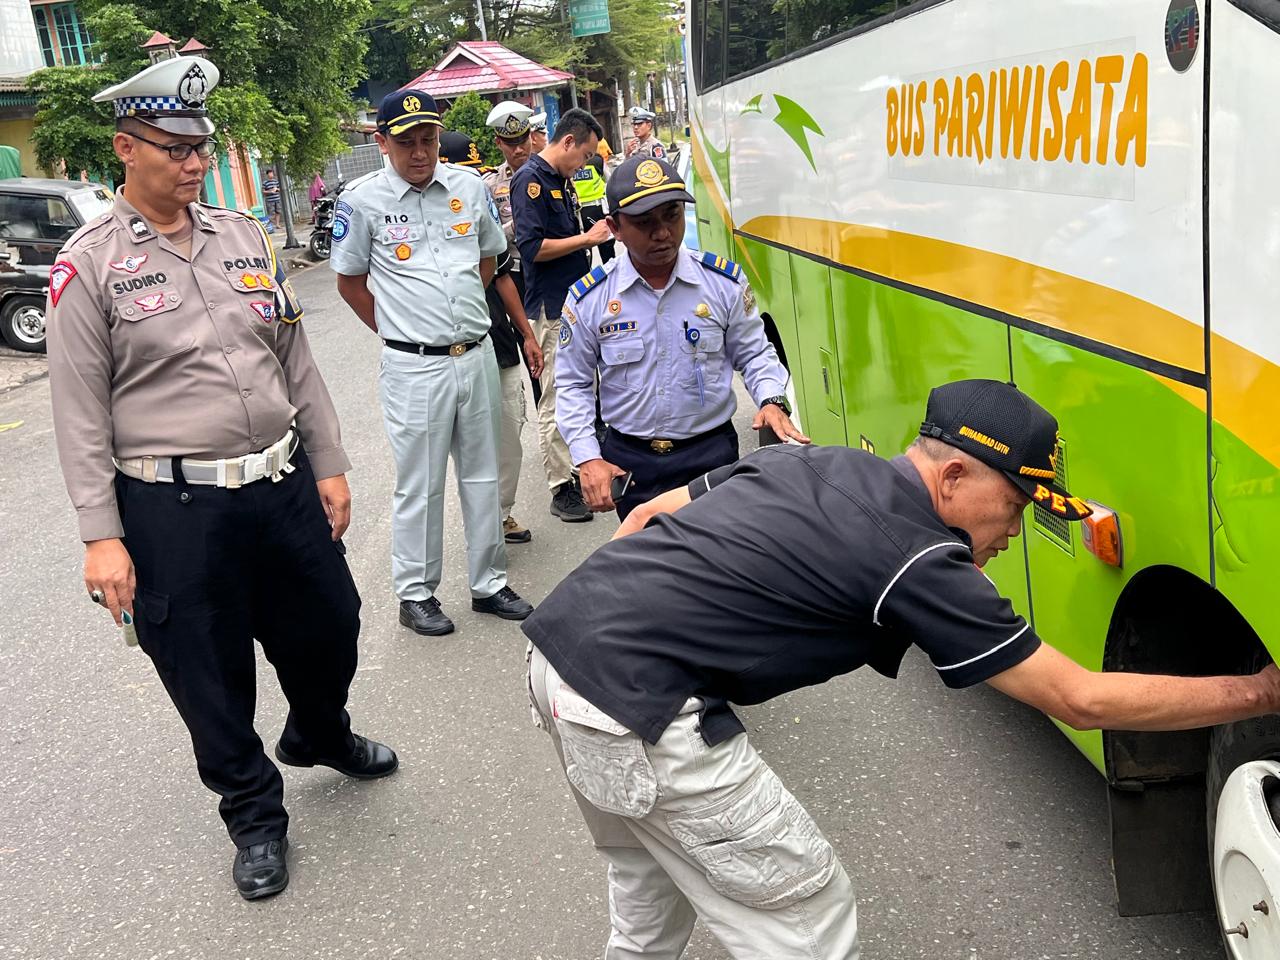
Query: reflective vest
(589, 184)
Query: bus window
(711, 68)
(757, 34)
(812, 21)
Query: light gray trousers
(696, 831)
(434, 408)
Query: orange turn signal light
(1100, 532)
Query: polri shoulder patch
(721, 265)
(588, 283)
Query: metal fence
(356, 162)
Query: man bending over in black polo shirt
(849, 560)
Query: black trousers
(217, 568)
(656, 473)
(590, 216)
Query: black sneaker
(506, 603)
(568, 505)
(425, 617)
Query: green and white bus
(1082, 196)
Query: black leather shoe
(368, 761)
(568, 505)
(259, 869)
(425, 617)
(506, 603)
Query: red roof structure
(193, 47)
(158, 39)
(485, 66)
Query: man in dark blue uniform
(555, 252)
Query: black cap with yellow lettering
(641, 183)
(1000, 425)
(404, 109)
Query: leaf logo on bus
(794, 120)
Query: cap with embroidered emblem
(460, 149)
(538, 123)
(169, 95)
(642, 183)
(641, 115)
(997, 423)
(510, 120)
(405, 109)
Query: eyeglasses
(180, 151)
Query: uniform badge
(535, 191)
(412, 104)
(248, 281)
(130, 264)
(151, 302)
(193, 88)
(615, 307)
(267, 311)
(493, 212)
(461, 228)
(702, 310)
(340, 227)
(455, 205)
(404, 251)
(265, 282)
(139, 227)
(60, 275)
(501, 191)
(748, 300)
(621, 326)
(397, 234)
(567, 314)
(557, 195)
(649, 174)
(566, 333)
(344, 207)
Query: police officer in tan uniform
(202, 454)
(644, 143)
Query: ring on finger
(98, 597)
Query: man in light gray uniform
(414, 247)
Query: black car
(36, 218)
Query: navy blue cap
(642, 183)
(405, 109)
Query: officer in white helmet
(204, 459)
(538, 129)
(644, 143)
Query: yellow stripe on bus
(1026, 290)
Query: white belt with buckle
(231, 473)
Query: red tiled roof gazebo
(486, 67)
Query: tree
(287, 68)
(467, 116)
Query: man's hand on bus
(1085, 700)
(595, 477)
(775, 418)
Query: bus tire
(1231, 746)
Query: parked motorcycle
(321, 241)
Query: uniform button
(230, 350)
(212, 304)
(184, 497)
(255, 440)
(129, 312)
(453, 299)
(429, 223)
(435, 249)
(445, 274)
(246, 393)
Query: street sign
(589, 17)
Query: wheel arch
(1167, 621)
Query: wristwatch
(779, 401)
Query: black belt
(665, 445)
(427, 350)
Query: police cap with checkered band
(1000, 425)
(168, 95)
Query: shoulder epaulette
(362, 179)
(721, 265)
(579, 289)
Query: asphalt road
(970, 827)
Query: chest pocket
(150, 325)
(253, 279)
(462, 233)
(708, 353)
(399, 241)
(622, 364)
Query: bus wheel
(1243, 816)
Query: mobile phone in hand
(619, 486)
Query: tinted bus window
(757, 34)
(712, 68)
(812, 21)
